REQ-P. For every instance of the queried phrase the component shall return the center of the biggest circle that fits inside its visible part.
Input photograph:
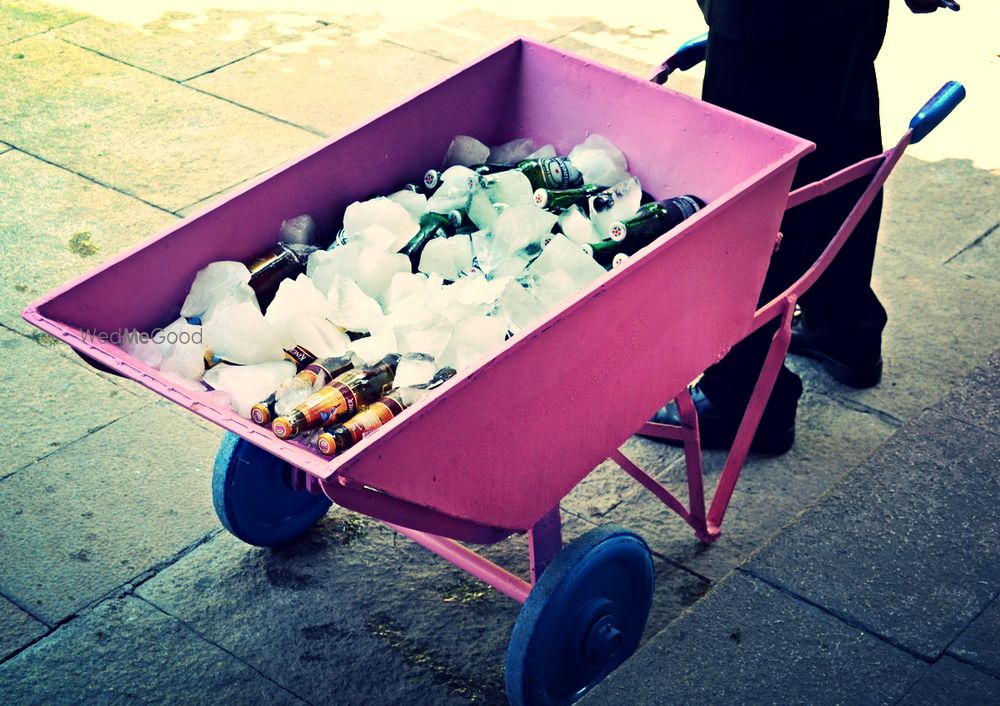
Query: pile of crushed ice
(361, 298)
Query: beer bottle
(608, 253)
(544, 173)
(654, 219)
(340, 437)
(267, 271)
(432, 225)
(339, 399)
(557, 200)
(314, 373)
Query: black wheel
(582, 619)
(253, 498)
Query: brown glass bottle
(343, 397)
(316, 372)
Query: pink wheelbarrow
(499, 446)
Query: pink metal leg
(468, 560)
(544, 542)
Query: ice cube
(447, 257)
(372, 349)
(300, 230)
(510, 153)
(352, 309)
(414, 203)
(599, 161)
(520, 226)
(318, 335)
(511, 187)
(404, 288)
(478, 291)
(457, 185)
(414, 369)
(432, 340)
(519, 306)
(212, 284)
(379, 211)
(577, 227)
(563, 255)
(181, 346)
(379, 237)
(619, 202)
(544, 152)
(474, 337)
(249, 384)
(325, 266)
(376, 268)
(553, 288)
(238, 333)
(295, 297)
(482, 211)
(143, 349)
(466, 151)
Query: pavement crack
(856, 406)
(846, 619)
(93, 180)
(222, 66)
(215, 644)
(987, 233)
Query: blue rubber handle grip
(690, 53)
(936, 109)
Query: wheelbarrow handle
(935, 110)
(689, 54)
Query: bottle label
(371, 420)
(687, 206)
(556, 172)
(300, 356)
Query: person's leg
(813, 88)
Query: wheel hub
(603, 640)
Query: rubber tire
(608, 570)
(252, 497)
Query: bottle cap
(283, 428)
(619, 259)
(432, 178)
(587, 250)
(260, 414)
(326, 444)
(617, 231)
(541, 198)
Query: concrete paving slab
(171, 145)
(935, 209)
(182, 45)
(53, 409)
(101, 511)
(941, 327)
(976, 400)
(23, 18)
(977, 645)
(581, 42)
(916, 562)
(126, 651)
(466, 36)
(60, 225)
(830, 440)
(951, 682)
(749, 643)
(335, 84)
(17, 628)
(348, 601)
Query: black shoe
(774, 436)
(855, 361)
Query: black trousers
(817, 83)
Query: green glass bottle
(654, 219)
(557, 200)
(432, 225)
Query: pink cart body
(504, 441)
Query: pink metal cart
(497, 448)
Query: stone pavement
(117, 584)
(885, 591)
